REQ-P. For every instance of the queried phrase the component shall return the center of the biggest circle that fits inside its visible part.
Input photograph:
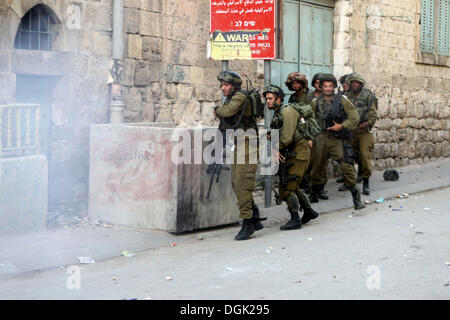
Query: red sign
(243, 29)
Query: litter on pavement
(86, 260)
(127, 254)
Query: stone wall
(167, 76)
(79, 62)
(380, 39)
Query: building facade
(58, 54)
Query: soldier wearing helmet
(293, 154)
(236, 113)
(362, 140)
(315, 82)
(344, 84)
(337, 117)
(297, 82)
(306, 183)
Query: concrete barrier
(134, 182)
(23, 194)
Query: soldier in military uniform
(306, 183)
(345, 88)
(236, 113)
(297, 82)
(362, 140)
(294, 144)
(315, 82)
(337, 117)
(344, 84)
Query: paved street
(398, 249)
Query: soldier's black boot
(294, 223)
(357, 198)
(340, 180)
(366, 189)
(246, 231)
(359, 178)
(308, 189)
(256, 219)
(314, 195)
(343, 188)
(322, 193)
(309, 214)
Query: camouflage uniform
(362, 140)
(236, 113)
(242, 175)
(293, 143)
(329, 145)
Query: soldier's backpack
(307, 126)
(255, 99)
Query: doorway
(305, 40)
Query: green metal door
(307, 41)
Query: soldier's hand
(278, 157)
(215, 114)
(310, 143)
(269, 136)
(363, 125)
(337, 127)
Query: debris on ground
(86, 260)
(427, 209)
(169, 278)
(127, 254)
(172, 244)
(379, 200)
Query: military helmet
(355, 77)
(328, 77)
(275, 90)
(296, 76)
(316, 77)
(343, 78)
(230, 77)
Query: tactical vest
(327, 112)
(242, 120)
(362, 102)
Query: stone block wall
(167, 76)
(380, 40)
(79, 65)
